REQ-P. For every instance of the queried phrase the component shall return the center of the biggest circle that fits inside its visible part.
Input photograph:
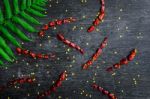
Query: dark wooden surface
(127, 25)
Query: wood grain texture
(133, 27)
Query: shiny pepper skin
(91, 28)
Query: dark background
(127, 25)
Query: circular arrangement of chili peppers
(53, 88)
(69, 43)
(31, 54)
(123, 61)
(100, 17)
(96, 55)
(55, 23)
(105, 92)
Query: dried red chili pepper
(100, 17)
(96, 54)
(18, 50)
(41, 33)
(103, 91)
(21, 81)
(32, 54)
(69, 43)
(123, 61)
(53, 24)
(45, 27)
(54, 87)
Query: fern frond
(24, 24)
(8, 36)
(29, 18)
(8, 9)
(5, 55)
(38, 8)
(18, 15)
(16, 7)
(6, 47)
(18, 32)
(1, 16)
(1, 62)
(23, 5)
(36, 13)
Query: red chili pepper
(58, 83)
(60, 37)
(95, 55)
(19, 50)
(66, 41)
(46, 56)
(59, 22)
(66, 21)
(72, 45)
(123, 61)
(39, 56)
(117, 66)
(20, 81)
(41, 33)
(25, 52)
(96, 22)
(54, 87)
(99, 18)
(69, 43)
(45, 27)
(132, 55)
(91, 28)
(105, 92)
(62, 76)
(52, 24)
(33, 55)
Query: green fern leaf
(36, 13)
(5, 55)
(29, 18)
(1, 62)
(38, 8)
(24, 24)
(8, 9)
(1, 16)
(18, 32)
(18, 15)
(6, 47)
(8, 36)
(16, 7)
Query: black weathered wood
(135, 16)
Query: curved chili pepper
(53, 88)
(123, 61)
(100, 17)
(96, 54)
(105, 92)
(69, 43)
